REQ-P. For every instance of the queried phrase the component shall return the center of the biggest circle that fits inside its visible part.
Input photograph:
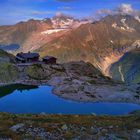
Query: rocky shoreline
(77, 81)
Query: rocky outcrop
(79, 81)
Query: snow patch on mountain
(62, 23)
(123, 21)
(136, 44)
(112, 41)
(137, 18)
(114, 25)
(123, 27)
(52, 31)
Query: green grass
(8, 72)
(130, 66)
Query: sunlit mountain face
(72, 30)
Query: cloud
(125, 9)
(13, 14)
(65, 8)
(65, 0)
(35, 12)
(14, 11)
(60, 14)
(104, 12)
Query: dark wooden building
(27, 57)
(49, 60)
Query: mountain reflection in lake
(33, 99)
(5, 90)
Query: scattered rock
(94, 130)
(104, 131)
(83, 128)
(138, 131)
(43, 113)
(64, 127)
(110, 127)
(94, 114)
(17, 126)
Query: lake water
(32, 99)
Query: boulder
(17, 126)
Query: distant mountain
(33, 34)
(10, 47)
(127, 69)
(19, 33)
(102, 42)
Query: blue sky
(13, 11)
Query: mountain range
(102, 43)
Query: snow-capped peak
(124, 26)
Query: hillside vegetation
(127, 69)
(8, 72)
(6, 57)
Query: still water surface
(32, 99)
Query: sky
(13, 11)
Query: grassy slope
(8, 72)
(130, 65)
(53, 123)
(4, 56)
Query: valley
(69, 70)
(79, 81)
(129, 64)
(101, 43)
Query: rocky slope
(33, 34)
(127, 69)
(100, 43)
(21, 32)
(57, 127)
(78, 81)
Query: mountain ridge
(101, 43)
(93, 42)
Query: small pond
(33, 99)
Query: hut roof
(49, 57)
(27, 55)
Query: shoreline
(71, 96)
(78, 81)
